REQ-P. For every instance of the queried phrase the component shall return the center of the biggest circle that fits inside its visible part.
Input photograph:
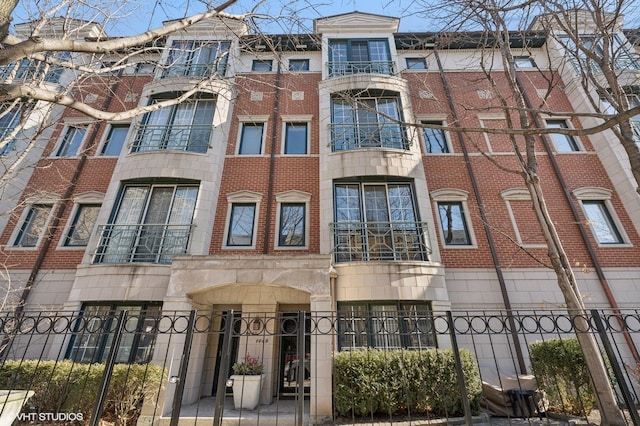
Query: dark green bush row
(68, 387)
(397, 381)
(562, 373)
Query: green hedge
(398, 381)
(562, 373)
(68, 387)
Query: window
(145, 68)
(115, 140)
(71, 141)
(241, 224)
(393, 324)
(295, 140)
(261, 65)
(359, 56)
(435, 140)
(377, 221)
(453, 223)
(200, 58)
(33, 225)
(527, 231)
(55, 71)
(366, 122)
(183, 127)
(9, 120)
(620, 55)
(94, 333)
(563, 143)
(150, 223)
(298, 65)
(601, 222)
(416, 64)
(82, 225)
(251, 139)
(524, 62)
(292, 225)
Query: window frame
(518, 194)
(524, 62)
(450, 196)
(108, 137)
(405, 311)
(295, 120)
(257, 64)
(293, 197)
(411, 62)
(242, 198)
(241, 136)
(105, 319)
(305, 62)
(443, 133)
(26, 222)
(65, 142)
(74, 217)
(569, 140)
(602, 197)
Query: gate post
(224, 369)
(301, 367)
(182, 374)
(461, 382)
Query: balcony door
(151, 223)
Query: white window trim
(43, 199)
(252, 119)
(518, 194)
(604, 195)
(424, 58)
(292, 196)
(482, 118)
(105, 135)
(439, 117)
(63, 133)
(90, 197)
(291, 118)
(454, 195)
(242, 197)
(576, 139)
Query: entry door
(289, 362)
(235, 341)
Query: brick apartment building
(295, 181)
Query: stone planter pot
(11, 402)
(246, 391)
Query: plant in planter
(247, 381)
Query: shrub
(395, 381)
(70, 387)
(562, 373)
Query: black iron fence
(154, 367)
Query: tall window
(93, 337)
(366, 122)
(295, 139)
(199, 58)
(435, 141)
(453, 223)
(377, 221)
(385, 325)
(292, 225)
(9, 120)
(183, 127)
(619, 53)
(251, 139)
(33, 225)
(359, 56)
(563, 143)
(82, 225)
(601, 222)
(71, 141)
(241, 224)
(115, 140)
(150, 223)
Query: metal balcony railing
(337, 69)
(194, 70)
(141, 243)
(190, 138)
(346, 137)
(380, 241)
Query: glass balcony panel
(190, 138)
(341, 68)
(346, 137)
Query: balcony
(345, 137)
(141, 243)
(380, 241)
(194, 70)
(339, 69)
(188, 138)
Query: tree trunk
(6, 9)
